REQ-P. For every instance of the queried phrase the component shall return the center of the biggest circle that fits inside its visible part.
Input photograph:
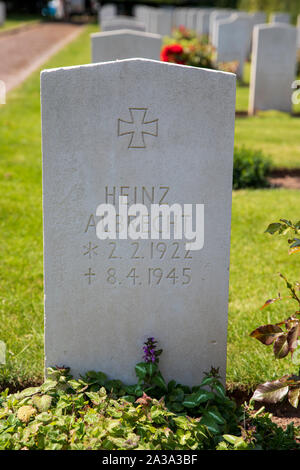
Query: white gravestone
(191, 18)
(181, 18)
(258, 17)
(106, 11)
(215, 17)
(202, 21)
(151, 24)
(2, 13)
(163, 20)
(298, 28)
(142, 14)
(122, 22)
(125, 44)
(176, 17)
(139, 11)
(273, 67)
(119, 129)
(280, 18)
(233, 36)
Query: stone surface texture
(103, 298)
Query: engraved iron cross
(137, 128)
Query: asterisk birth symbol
(90, 250)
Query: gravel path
(22, 52)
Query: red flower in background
(172, 53)
(176, 49)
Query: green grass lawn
(21, 278)
(15, 21)
(255, 257)
(276, 133)
(256, 260)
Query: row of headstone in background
(150, 19)
(202, 20)
(2, 13)
(162, 20)
(232, 36)
(274, 56)
(270, 86)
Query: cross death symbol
(137, 128)
(90, 274)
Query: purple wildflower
(150, 352)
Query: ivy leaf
(42, 403)
(28, 392)
(271, 392)
(157, 415)
(294, 396)
(75, 384)
(182, 422)
(266, 334)
(95, 398)
(281, 346)
(231, 439)
(48, 385)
